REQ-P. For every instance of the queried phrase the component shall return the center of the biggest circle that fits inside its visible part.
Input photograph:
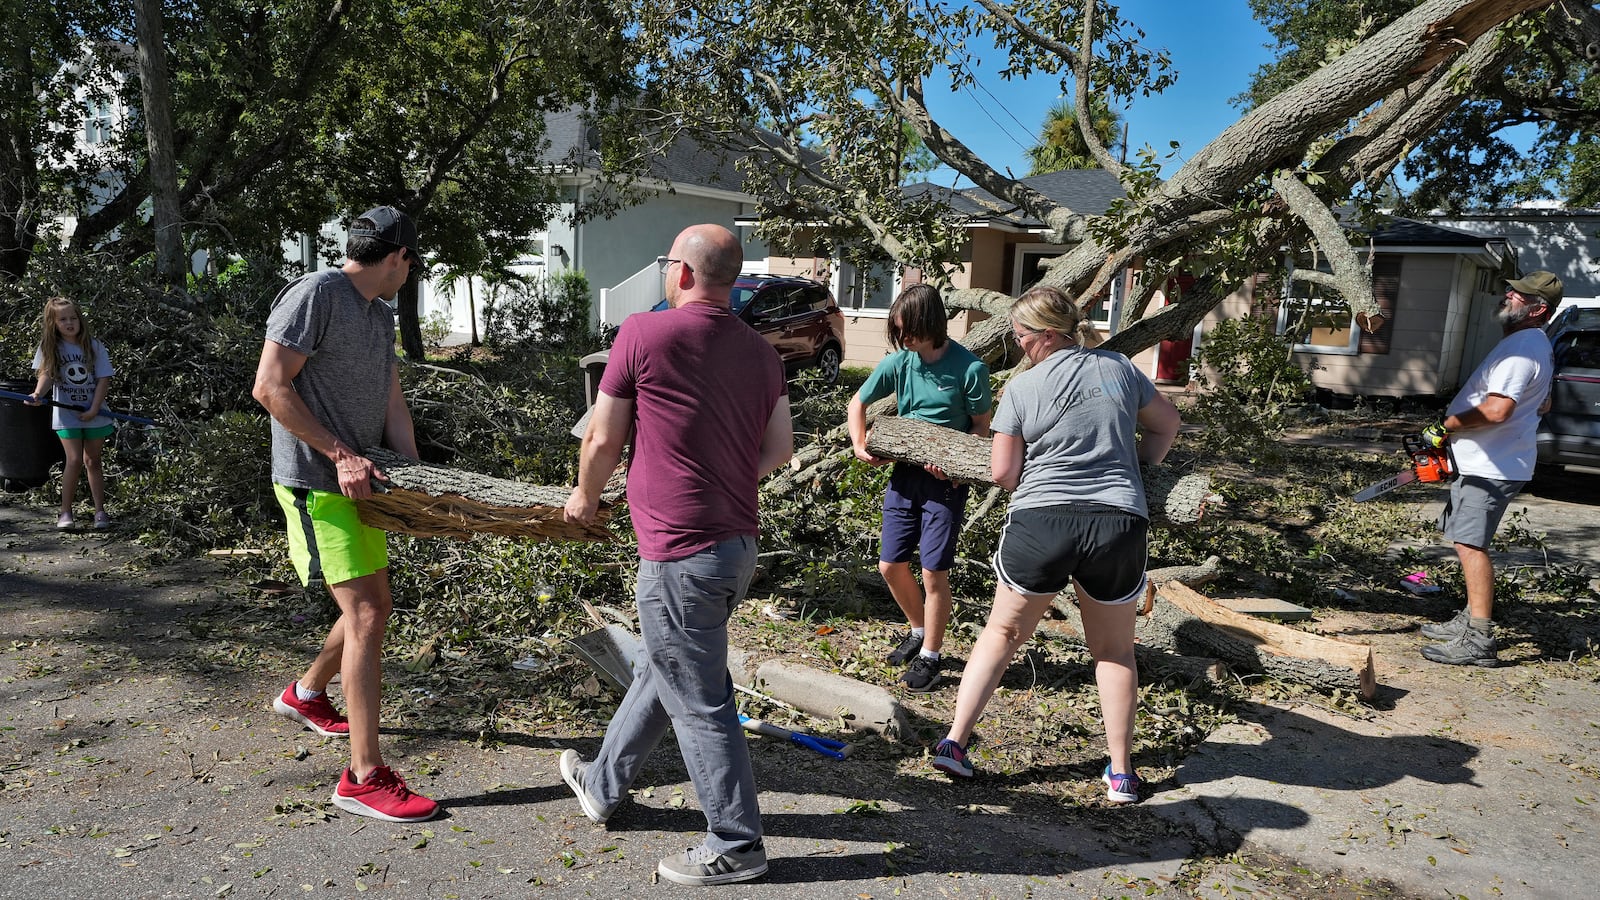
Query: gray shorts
(1475, 508)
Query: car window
(741, 297)
(1579, 350)
(773, 303)
(816, 299)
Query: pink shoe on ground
(316, 714)
(383, 795)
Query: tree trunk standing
(410, 322)
(156, 93)
(19, 190)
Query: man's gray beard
(1508, 315)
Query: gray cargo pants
(684, 608)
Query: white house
(688, 185)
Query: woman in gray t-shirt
(1065, 444)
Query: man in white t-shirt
(1492, 426)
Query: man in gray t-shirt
(329, 377)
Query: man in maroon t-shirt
(704, 396)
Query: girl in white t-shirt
(77, 365)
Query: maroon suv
(796, 315)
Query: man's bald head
(713, 252)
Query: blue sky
(1215, 46)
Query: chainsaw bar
(1385, 486)
(1428, 464)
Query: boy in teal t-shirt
(939, 381)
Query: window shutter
(1385, 289)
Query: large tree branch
(1066, 225)
(1277, 133)
(1080, 77)
(1350, 278)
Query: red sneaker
(316, 714)
(383, 795)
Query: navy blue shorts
(922, 513)
(1042, 550)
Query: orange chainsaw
(1428, 464)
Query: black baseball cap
(389, 225)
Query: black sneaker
(909, 646)
(1471, 648)
(1446, 631)
(922, 676)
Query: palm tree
(1061, 144)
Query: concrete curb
(823, 694)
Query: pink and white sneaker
(316, 714)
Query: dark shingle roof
(1397, 232)
(1086, 191)
(575, 141)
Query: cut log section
(1189, 623)
(1152, 661)
(435, 501)
(1172, 495)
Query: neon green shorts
(327, 540)
(86, 434)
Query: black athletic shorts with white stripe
(1043, 549)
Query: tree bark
(1151, 660)
(1170, 494)
(157, 95)
(410, 321)
(1189, 623)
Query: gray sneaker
(703, 866)
(1470, 648)
(1446, 631)
(572, 771)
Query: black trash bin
(28, 448)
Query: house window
(1318, 323)
(1029, 269)
(97, 121)
(871, 289)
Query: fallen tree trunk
(435, 501)
(1171, 494)
(1151, 660)
(1188, 623)
(1186, 626)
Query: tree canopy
(1332, 131)
(290, 113)
(1527, 133)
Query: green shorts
(86, 434)
(327, 541)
